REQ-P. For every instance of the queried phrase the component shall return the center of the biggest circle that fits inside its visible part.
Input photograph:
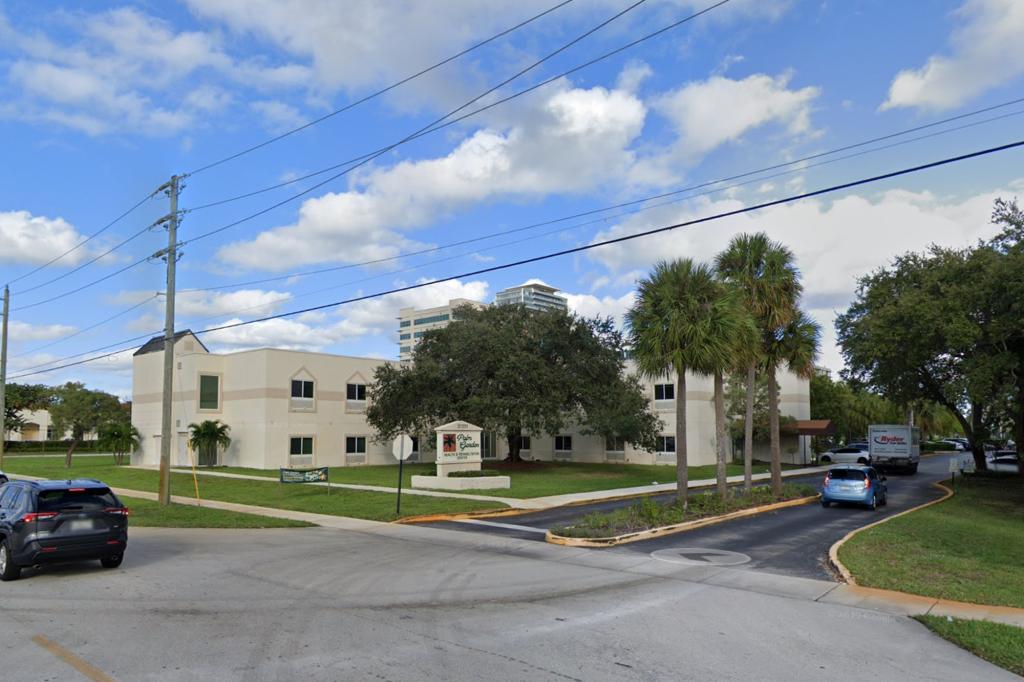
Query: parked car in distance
(956, 444)
(848, 454)
(856, 484)
(51, 521)
(1004, 460)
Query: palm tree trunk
(682, 472)
(748, 430)
(773, 428)
(720, 439)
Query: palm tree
(120, 437)
(796, 346)
(206, 437)
(765, 274)
(683, 320)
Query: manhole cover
(698, 556)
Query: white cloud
(37, 239)
(710, 113)
(213, 303)
(986, 52)
(592, 130)
(23, 331)
(323, 329)
(589, 305)
(834, 242)
(278, 116)
(124, 70)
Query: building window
(432, 319)
(404, 323)
(614, 444)
(666, 443)
(563, 443)
(209, 392)
(405, 349)
(51, 433)
(355, 392)
(302, 389)
(300, 451)
(664, 392)
(415, 444)
(404, 337)
(524, 442)
(355, 445)
(418, 335)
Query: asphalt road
(413, 603)
(793, 541)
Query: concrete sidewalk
(531, 503)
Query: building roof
(156, 344)
(533, 283)
(813, 427)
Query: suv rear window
(846, 475)
(90, 499)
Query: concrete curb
(833, 551)
(673, 529)
(488, 513)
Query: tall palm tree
(765, 273)
(206, 437)
(794, 346)
(682, 321)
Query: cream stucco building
(39, 427)
(297, 408)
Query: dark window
(302, 389)
(209, 392)
(404, 337)
(301, 446)
(404, 323)
(524, 442)
(355, 391)
(87, 500)
(415, 443)
(355, 445)
(563, 443)
(664, 392)
(666, 443)
(614, 444)
(432, 319)
(846, 475)
(7, 495)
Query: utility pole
(170, 254)
(3, 374)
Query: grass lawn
(648, 513)
(354, 503)
(968, 548)
(995, 642)
(149, 513)
(530, 479)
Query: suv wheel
(825, 459)
(873, 504)
(861, 460)
(112, 561)
(8, 569)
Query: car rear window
(846, 475)
(87, 500)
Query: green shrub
(474, 474)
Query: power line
(83, 242)
(89, 262)
(86, 329)
(424, 130)
(579, 249)
(382, 91)
(633, 202)
(93, 283)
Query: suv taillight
(867, 483)
(42, 516)
(827, 479)
(120, 511)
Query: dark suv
(50, 521)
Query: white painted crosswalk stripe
(508, 526)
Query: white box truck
(894, 446)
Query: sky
(100, 103)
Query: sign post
(401, 449)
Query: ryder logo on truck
(890, 440)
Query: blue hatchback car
(854, 483)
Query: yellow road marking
(79, 664)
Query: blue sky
(101, 102)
